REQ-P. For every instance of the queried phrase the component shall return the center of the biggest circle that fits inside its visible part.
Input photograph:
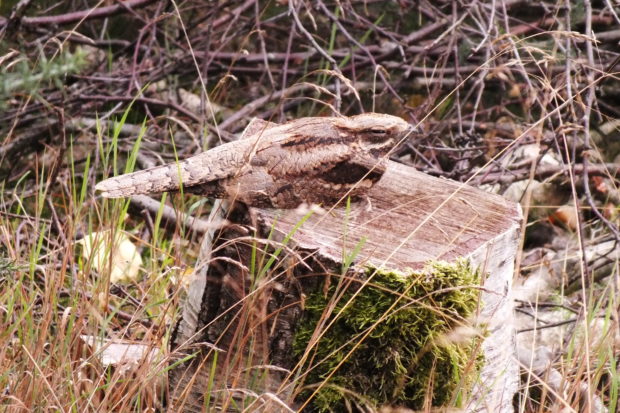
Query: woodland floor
(520, 98)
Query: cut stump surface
(410, 219)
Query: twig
(323, 53)
(170, 216)
(77, 16)
(148, 101)
(590, 94)
(509, 176)
(361, 47)
(244, 113)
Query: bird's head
(376, 133)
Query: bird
(311, 160)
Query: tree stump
(250, 286)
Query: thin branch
(79, 16)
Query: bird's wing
(301, 152)
(221, 162)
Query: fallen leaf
(120, 257)
(565, 215)
(119, 352)
(599, 184)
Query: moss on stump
(393, 341)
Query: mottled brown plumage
(313, 160)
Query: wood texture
(412, 218)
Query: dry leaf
(514, 91)
(194, 103)
(610, 211)
(565, 215)
(119, 352)
(599, 184)
(122, 255)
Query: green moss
(405, 358)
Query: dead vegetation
(518, 97)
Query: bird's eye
(376, 134)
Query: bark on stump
(240, 318)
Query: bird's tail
(215, 164)
(153, 180)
